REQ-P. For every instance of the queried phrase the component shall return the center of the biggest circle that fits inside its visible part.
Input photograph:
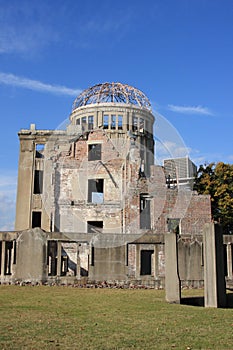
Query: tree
(217, 181)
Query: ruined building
(91, 204)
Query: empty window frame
(96, 191)
(52, 258)
(8, 258)
(145, 220)
(94, 226)
(94, 151)
(78, 121)
(84, 123)
(120, 122)
(39, 150)
(90, 122)
(38, 182)
(141, 125)
(36, 219)
(146, 262)
(135, 124)
(113, 122)
(106, 121)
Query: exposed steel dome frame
(112, 92)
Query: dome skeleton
(112, 92)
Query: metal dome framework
(112, 92)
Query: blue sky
(178, 52)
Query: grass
(45, 317)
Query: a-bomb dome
(112, 93)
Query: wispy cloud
(25, 27)
(190, 109)
(14, 80)
(169, 149)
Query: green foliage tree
(217, 181)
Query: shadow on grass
(193, 301)
(199, 301)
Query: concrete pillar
(58, 258)
(78, 270)
(31, 256)
(229, 261)
(214, 279)
(172, 280)
(3, 258)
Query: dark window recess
(78, 121)
(52, 258)
(146, 262)
(36, 219)
(96, 191)
(38, 182)
(135, 124)
(225, 259)
(92, 256)
(94, 152)
(141, 125)
(144, 213)
(8, 257)
(90, 122)
(94, 226)
(173, 225)
(39, 150)
(14, 251)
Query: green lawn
(45, 317)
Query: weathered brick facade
(102, 204)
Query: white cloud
(14, 80)
(190, 109)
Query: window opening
(113, 122)
(52, 258)
(39, 150)
(105, 121)
(90, 122)
(146, 262)
(96, 191)
(94, 226)
(141, 125)
(135, 123)
(8, 257)
(120, 122)
(38, 182)
(94, 151)
(92, 256)
(145, 212)
(78, 121)
(36, 219)
(84, 123)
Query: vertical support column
(58, 258)
(229, 261)
(172, 280)
(214, 279)
(130, 120)
(138, 261)
(3, 258)
(78, 275)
